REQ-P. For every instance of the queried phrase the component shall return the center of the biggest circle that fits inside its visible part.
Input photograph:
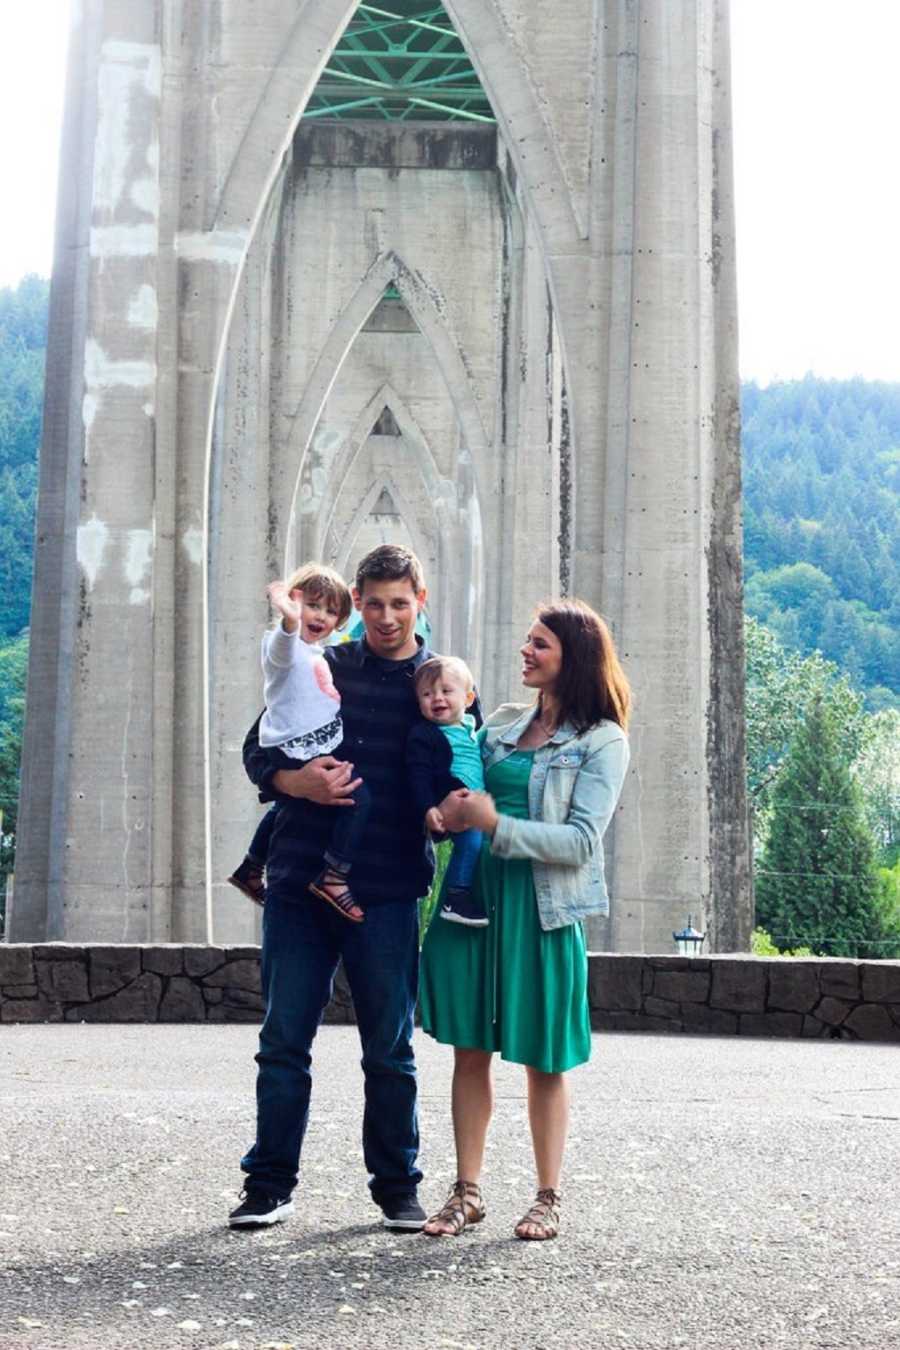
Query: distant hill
(822, 522)
(821, 508)
(23, 344)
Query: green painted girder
(403, 63)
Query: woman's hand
(452, 810)
(465, 810)
(482, 812)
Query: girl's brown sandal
(464, 1206)
(543, 1216)
(330, 886)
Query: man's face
(389, 610)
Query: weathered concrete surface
(565, 394)
(720, 1195)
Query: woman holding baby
(553, 769)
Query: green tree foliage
(888, 896)
(23, 342)
(428, 905)
(761, 944)
(13, 673)
(780, 687)
(822, 523)
(817, 885)
(877, 770)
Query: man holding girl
(554, 770)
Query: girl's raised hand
(289, 604)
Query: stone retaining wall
(722, 995)
(61, 982)
(748, 996)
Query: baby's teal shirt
(465, 753)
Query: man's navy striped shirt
(396, 859)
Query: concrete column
(103, 887)
(658, 466)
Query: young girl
(302, 720)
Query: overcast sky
(816, 163)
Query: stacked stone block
(61, 982)
(718, 995)
(747, 996)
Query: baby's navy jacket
(429, 759)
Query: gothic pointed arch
(389, 269)
(385, 486)
(385, 397)
(406, 500)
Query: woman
(553, 772)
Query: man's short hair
(390, 562)
(436, 667)
(317, 581)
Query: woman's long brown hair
(591, 685)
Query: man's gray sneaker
(258, 1210)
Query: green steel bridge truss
(400, 63)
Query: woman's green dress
(509, 987)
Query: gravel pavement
(725, 1193)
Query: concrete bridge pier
(506, 337)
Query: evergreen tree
(13, 672)
(780, 686)
(877, 770)
(817, 884)
(23, 337)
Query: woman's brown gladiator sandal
(543, 1216)
(464, 1206)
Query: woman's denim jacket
(572, 792)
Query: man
(303, 939)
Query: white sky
(816, 121)
(816, 126)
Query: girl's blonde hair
(317, 581)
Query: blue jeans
(302, 943)
(464, 860)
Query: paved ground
(720, 1193)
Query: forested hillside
(23, 341)
(822, 523)
(821, 512)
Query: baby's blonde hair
(436, 667)
(317, 580)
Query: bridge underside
(346, 273)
